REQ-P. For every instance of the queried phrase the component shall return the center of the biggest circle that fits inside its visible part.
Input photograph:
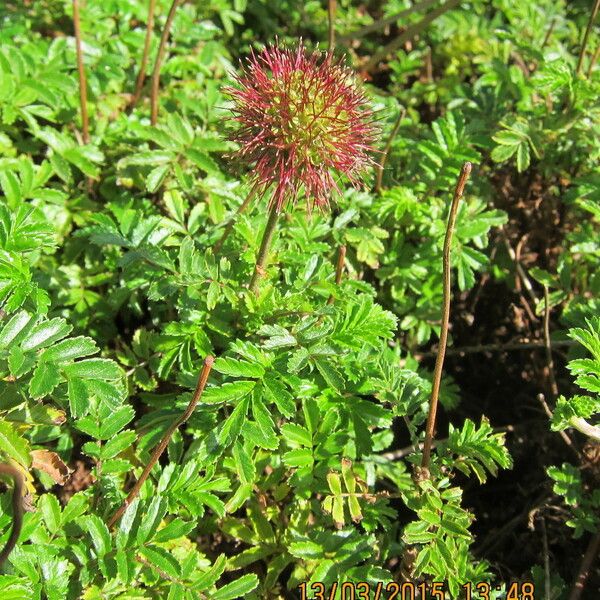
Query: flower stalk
(263, 252)
(439, 362)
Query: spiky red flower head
(302, 120)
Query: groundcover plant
(299, 299)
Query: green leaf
(203, 161)
(330, 374)
(78, 397)
(233, 425)
(301, 457)
(244, 466)
(11, 187)
(503, 153)
(69, 349)
(210, 577)
(14, 445)
(523, 157)
(237, 589)
(175, 529)
(296, 435)
(94, 368)
(162, 560)
(180, 128)
(50, 509)
(228, 392)
(238, 368)
(115, 421)
(45, 378)
(306, 549)
(156, 177)
(276, 392)
(98, 531)
(15, 325)
(335, 483)
(46, 332)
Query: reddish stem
(164, 442)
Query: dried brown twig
(586, 35)
(439, 362)
(159, 58)
(586, 566)
(139, 84)
(164, 442)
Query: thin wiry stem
(17, 505)
(233, 219)
(139, 84)
(548, 346)
(409, 34)
(586, 566)
(85, 126)
(164, 442)
(586, 36)
(547, 581)
(386, 151)
(339, 270)
(439, 362)
(159, 58)
(593, 61)
(331, 8)
(549, 33)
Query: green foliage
(582, 498)
(112, 294)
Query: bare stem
(593, 61)
(339, 270)
(410, 33)
(439, 362)
(159, 58)
(386, 151)
(263, 252)
(85, 125)
(164, 442)
(549, 33)
(331, 8)
(585, 568)
(17, 505)
(139, 84)
(586, 35)
(233, 219)
(547, 345)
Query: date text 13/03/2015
(413, 591)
